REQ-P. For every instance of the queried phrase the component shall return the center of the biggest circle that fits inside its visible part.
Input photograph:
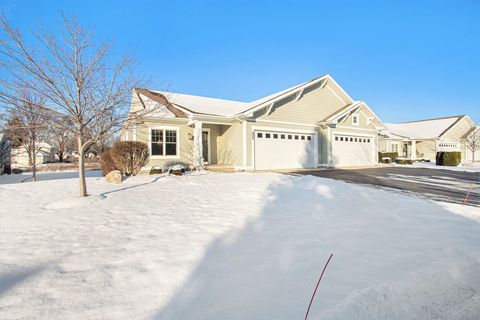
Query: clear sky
(407, 59)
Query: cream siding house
(45, 154)
(424, 138)
(312, 124)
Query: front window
(157, 143)
(164, 142)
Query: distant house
(5, 153)
(45, 154)
(424, 138)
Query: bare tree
(61, 138)
(28, 126)
(72, 71)
(472, 142)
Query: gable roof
(192, 104)
(424, 129)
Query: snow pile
(456, 295)
(232, 246)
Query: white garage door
(353, 150)
(283, 150)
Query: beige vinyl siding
(383, 145)
(456, 132)
(136, 104)
(363, 115)
(426, 149)
(185, 144)
(230, 144)
(314, 105)
(217, 145)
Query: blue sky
(407, 59)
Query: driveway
(436, 184)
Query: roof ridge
(432, 119)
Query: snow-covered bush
(156, 170)
(176, 165)
(392, 155)
(130, 156)
(404, 161)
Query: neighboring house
(45, 154)
(422, 139)
(5, 154)
(312, 124)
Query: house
(45, 154)
(5, 154)
(312, 124)
(424, 138)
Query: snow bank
(232, 246)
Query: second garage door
(353, 150)
(283, 150)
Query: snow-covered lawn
(233, 246)
(43, 176)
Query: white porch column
(414, 150)
(197, 145)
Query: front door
(405, 150)
(205, 146)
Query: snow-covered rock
(114, 176)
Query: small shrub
(106, 162)
(404, 161)
(386, 160)
(156, 170)
(173, 163)
(17, 171)
(450, 158)
(130, 156)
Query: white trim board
(286, 122)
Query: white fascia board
(330, 78)
(281, 96)
(374, 114)
(213, 119)
(335, 118)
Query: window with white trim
(164, 142)
(355, 120)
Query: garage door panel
(353, 150)
(283, 150)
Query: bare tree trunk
(81, 166)
(34, 161)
